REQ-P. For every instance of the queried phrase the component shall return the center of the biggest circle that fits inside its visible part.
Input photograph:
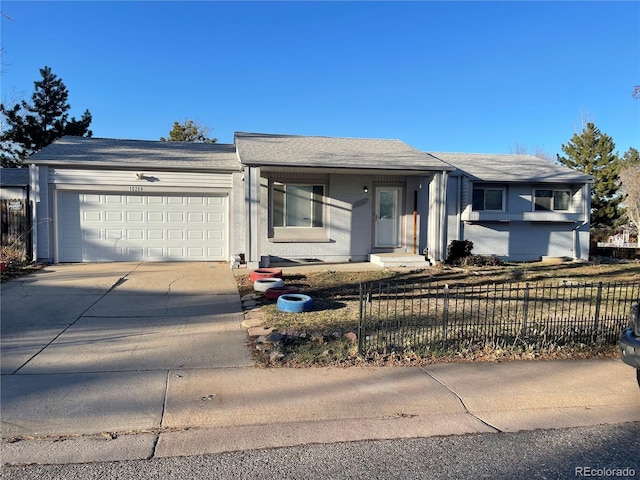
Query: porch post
(252, 206)
(437, 227)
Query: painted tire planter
(274, 292)
(264, 284)
(265, 273)
(295, 303)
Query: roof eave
(415, 168)
(133, 166)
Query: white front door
(387, 216)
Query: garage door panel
(108, 227)
(113, 216)
(112, 199)
(91, 234)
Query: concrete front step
(398, 260)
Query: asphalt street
(603, 451)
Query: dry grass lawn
(336, 303)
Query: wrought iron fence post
(596, 320)
(445, 316)
(525, 309)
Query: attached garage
(98, 227)
(105, 200)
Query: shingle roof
(14, 177)
(331, 152)
(112, 152)
(511, 168)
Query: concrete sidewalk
(108, 362)
(136, 415)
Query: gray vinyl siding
(520, 233)
(348, 214)
(11, 193)
(348, 217)
(521, 241)
(158, 180)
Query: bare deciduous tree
(630, 185)
(630, 179)
(537, 151)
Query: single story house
(268, 198)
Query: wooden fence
(15, 238)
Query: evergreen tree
(592, 152)
(33, 126)
(189, 131)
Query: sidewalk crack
(164, 405)
(455, 394)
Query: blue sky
(441, 76)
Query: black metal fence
(420, 317)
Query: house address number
(136, 188)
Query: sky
(484, 77)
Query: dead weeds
(324, 336)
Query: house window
(551, 200)
(488, 199)
(296, 205)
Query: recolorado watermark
(605, 472)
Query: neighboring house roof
(14, 177)
(271, 150)
(136, 153)
(510, 168)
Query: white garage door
(102, 227)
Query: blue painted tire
(294, 302)
(264, 284)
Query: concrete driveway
(117, 317)
(93, 344)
